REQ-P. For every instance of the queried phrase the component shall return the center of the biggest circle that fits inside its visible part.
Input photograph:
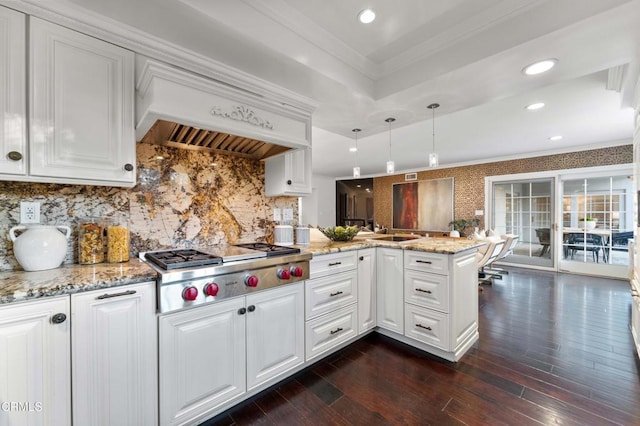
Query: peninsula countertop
(443, 245)
(17, 286)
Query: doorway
(525, 208)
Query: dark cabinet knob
(242, 311)
(14, 156)
(59, 318)
(128, 167)
(361, 257)
(251, 308)
(289, 182)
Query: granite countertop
(16, 286)
(433, 245)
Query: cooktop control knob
(251, 281)
(211, 289)
(190, 293)
(284, 274)
(296, 271)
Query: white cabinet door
(390, 289)
(275, 333)
(81, 107)
(114, 356)
(13, 93)
(202, 360)
(366, 289)
(289, 173)
(35, 362)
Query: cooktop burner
(270, 249)
(173, 259)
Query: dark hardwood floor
(553, 349)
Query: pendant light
(433, 156)
(356, 169)
(390, 164)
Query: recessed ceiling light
(353, 149)
(539, 67)
(555, 138)
(358, 186)
(535, 106)
(366, 16)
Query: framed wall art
(425, 205)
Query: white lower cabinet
(210, 356)
(35, 363)
(114, 347)
(326, 332)
(390, 289)
(366, 290)
(441, 308)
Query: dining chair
(587, 242)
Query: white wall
(319, 208)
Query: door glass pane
(595, 220)
(525, 208)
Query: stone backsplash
(182, 199)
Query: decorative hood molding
(178, 108)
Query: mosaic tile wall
(181, 201)
(469, 180)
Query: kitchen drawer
(426, 262)
(329, 331)
(427, 326)
(426, 289)
(326, 294)
(326, 264)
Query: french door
(525, 208)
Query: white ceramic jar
(39, 247)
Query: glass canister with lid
(117, 240)
(90, 240)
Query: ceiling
(466, 55)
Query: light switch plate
(287, 214)
(277, 217)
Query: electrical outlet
(287, 214)
(29, 212)
(276, 215)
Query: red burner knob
(296, 271)
(251, 281)
(283, 274)
(211, 289)
(190, 293)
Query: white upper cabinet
(12, 92)
(81, 108)
(289, 173)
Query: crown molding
(75, 17)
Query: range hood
(181, 109)
(176, 135)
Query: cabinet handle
(251, 308)
(337, 330)
(59, 318)
(14, 156)
(128, 167)
(423, 326)
(361, 257)
(423, 291)
(289, 182)
(423, 261)
(109, 296)
(335, 263)
(242, 311)
(335, 294)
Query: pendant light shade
(356, 169)
(433, 155)
(391, 167)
